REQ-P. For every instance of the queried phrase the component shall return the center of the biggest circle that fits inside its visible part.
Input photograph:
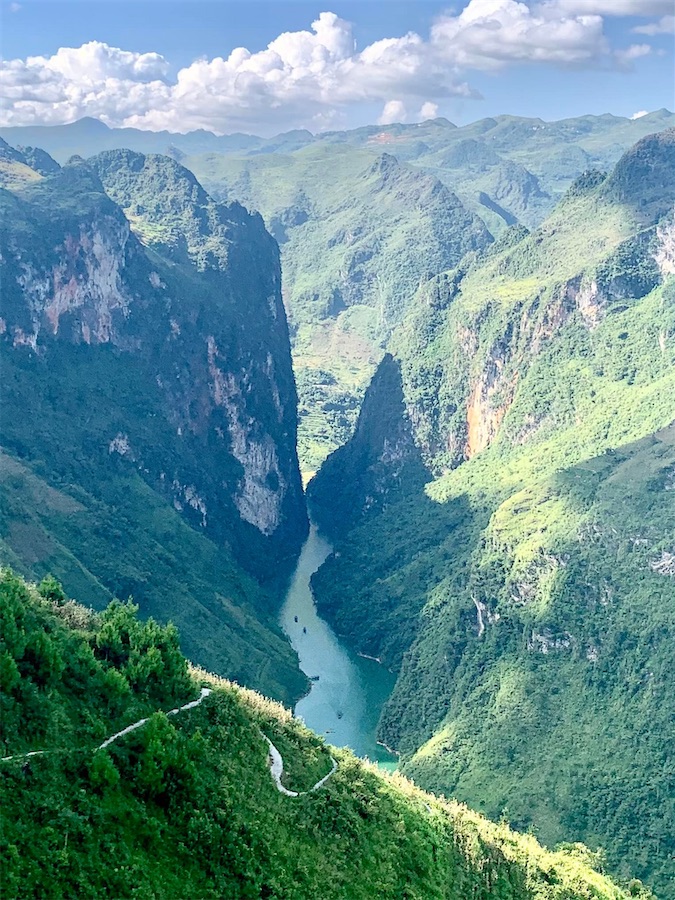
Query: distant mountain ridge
(88, 136)
(354, 251)
(554, 152)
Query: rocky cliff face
(473, 334)
(355, 247)
(515, 594)
(468, 353)
(379, 465)
(23, 165)
(187, 301)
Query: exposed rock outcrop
(196, 320)
(379, 464)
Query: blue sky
(465, 60)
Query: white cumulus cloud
(394, 111)
(94, 80)
(429, 110)
(490, 34)
(665, 25)
(628, 56)
(614, 7)
(308, 78)
(640, 113)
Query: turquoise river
(345, 701)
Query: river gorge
(346, 698)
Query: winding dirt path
(204, 693)
(172, 712)
(276, 762)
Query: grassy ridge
(185, 806)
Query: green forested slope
(358, 233)
(149, 407)
(355, 244)
(119, 538)
(554, 705)
(362, 216)
(366, 237)
(184, 806)
(526, 598)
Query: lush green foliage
(129, 374)
(526, 597)
(69, 671)
(355, 247)
(185, 806)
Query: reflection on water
(344, 703)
